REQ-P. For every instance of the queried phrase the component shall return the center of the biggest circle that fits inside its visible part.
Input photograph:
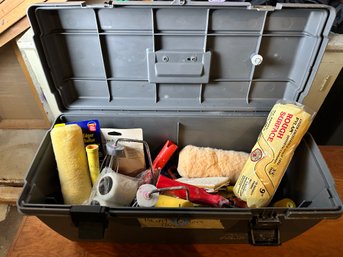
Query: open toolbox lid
(179, 56)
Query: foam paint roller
(93, 161)
(165, 201)
(70, 155)
(286, 124)
(200, 162)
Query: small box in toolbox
(196, 73)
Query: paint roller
(149, 196)
(201, 162)
(93, 161)
(68, 147)
(286, 124)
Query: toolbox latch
(265, 231)
(91, 221)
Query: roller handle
(164, 155)
(196, 194)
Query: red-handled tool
(196, 194)
(164, 155)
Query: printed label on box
(180, 223)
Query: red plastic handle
(196, 194)
(164, 155)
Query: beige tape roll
(70, 155)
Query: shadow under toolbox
(198, 73)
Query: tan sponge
(198, 162)
(70, 155)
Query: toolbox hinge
(178, 2)
(265, 231)
(108, 4)
(111, 3)
(265, 7)
(91, 221)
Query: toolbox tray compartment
(182, 72)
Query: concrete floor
(17, 150)
(8, 229)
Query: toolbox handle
(178, 69)
(178, 66)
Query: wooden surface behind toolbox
(36, 239)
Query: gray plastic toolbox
(196, 73)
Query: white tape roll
(143, 197)
(117, 189)
(98, 201)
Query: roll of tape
(285, 203)
(98, 201)
(117, 189)
(144, 198)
